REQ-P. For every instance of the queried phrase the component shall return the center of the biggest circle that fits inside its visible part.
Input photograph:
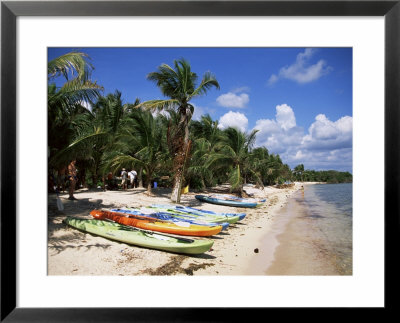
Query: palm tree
(207, 129)
(259, 163)
(205, 134)
(198, 175)
(67, 102)
(233, 154)
(78, 88)
(142, 145)
(178, 83)
(96, 133)
(274, 165)
(298, 171)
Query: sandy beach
(240, 250)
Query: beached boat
(146, 223)
(236, 198)
(138, 237)
(228, 201)
(204, 214)
(179, 219)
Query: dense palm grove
(158, 138)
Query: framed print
(303, 39)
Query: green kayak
(142, 238)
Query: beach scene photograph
(200, 161)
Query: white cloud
(285, 116)
(327, 145)
(233, 119)
(273, 79)
(324, 134)
(280, 133)
(233, 100)
(300, 71)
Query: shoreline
(71, 252)
(300, 249)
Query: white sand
(71, 252)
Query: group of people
(132, 175)
(70, 173)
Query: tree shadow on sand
(62, 237)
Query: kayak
(240, 199)
(186, 229)
(227, 202)
(141, 238)
(203, 214)
(169, 217)
(191, 210)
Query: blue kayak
(164, 216)
(200, 212)
(236, 198)
(225, 201)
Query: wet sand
(298, 246)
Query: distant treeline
(328, 176)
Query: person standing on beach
(72, 179)
(135, 180)
(124, 176)
(131, 175)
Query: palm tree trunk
(94, 179)
(149, 178)
(179, 170)
(140, 177)
(149, 192)
(180, 160)
(176, 190)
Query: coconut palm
(198, 175)
(143, 145)
(207, 129)
(205, 134)
(178, 83)
(233, 156)
(274, 166)
(68, 102)
(97, 132)
(298, 172)
(78, 88)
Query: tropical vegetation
(104, 134)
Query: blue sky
(300, 99)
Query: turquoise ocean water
(311, 235)
(328, 208)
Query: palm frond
(235, 178)
(74, 64)
(75, 92)
(159, 104)
(209, 81)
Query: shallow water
(330, 208)
(313, 233)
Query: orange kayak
(185, 228)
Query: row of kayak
(156, 226)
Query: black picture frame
(10, 10)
